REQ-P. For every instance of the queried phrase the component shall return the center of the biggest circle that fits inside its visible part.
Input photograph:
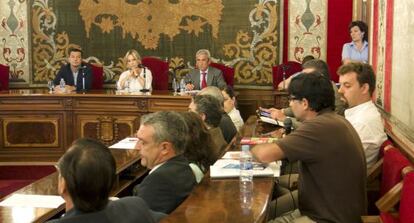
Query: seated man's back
(124, 210)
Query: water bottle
(174, 85)
(246, 177)
(246, 165)
(127, 86)
(182, 85)
(62, 83)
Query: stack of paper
(31, 200)
(127, 143)
(229, 167)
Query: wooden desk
(38, 126)
(48, 186)
(219, 200)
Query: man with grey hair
(161, 141)
(226, 125)
(204, 75)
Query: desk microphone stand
(144, 89)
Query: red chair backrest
(159, 70)
(394, 162)
(291, 67)
(386, 143)
(228, 72)
(405, 207)
(4, 77)
(407, 199)
(97, 72)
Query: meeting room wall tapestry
(307, 29)
(392, 50)
(244, 36)
(15, 39)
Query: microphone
(288, 125)
(144, 88)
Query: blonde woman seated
(199, 150)
(137, 77)
(230, 107)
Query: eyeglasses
(292, 98)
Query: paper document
(127, 143)
(35, 201)
(227, 168)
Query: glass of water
(50, 85)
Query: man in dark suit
(86, 176)
(226, 124)
(161, 142)
(204, 75)
(77, 75)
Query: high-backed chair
(290, 67)
(228, 72)
(394, 162)
(375, 170)
(98, 79)
(159, 70)
(4, 77)
(402, 194)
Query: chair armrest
(390, 199)
(371, 219)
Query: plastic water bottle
(246, 165)
(182, 85)
(246, 177)
(62, 83)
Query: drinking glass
(50, 85)
(175, 86)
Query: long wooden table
(125, 159)
(37, 126)
(221, 201)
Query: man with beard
(357, 86)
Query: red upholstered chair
(406, 209)
(403, 193)
(228, 72)
(4, 77)
(394, 162)
(159, 70)
(290, 67)
(98, 79)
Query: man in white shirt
(357, 86)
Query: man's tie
(204, 81)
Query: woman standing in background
(357, 50)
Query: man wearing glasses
(332, 170)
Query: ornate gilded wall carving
(14, 39)
(307, 29)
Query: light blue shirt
(349, 51)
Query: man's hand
(276, 114)
(189, 86)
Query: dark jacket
(66, 73)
